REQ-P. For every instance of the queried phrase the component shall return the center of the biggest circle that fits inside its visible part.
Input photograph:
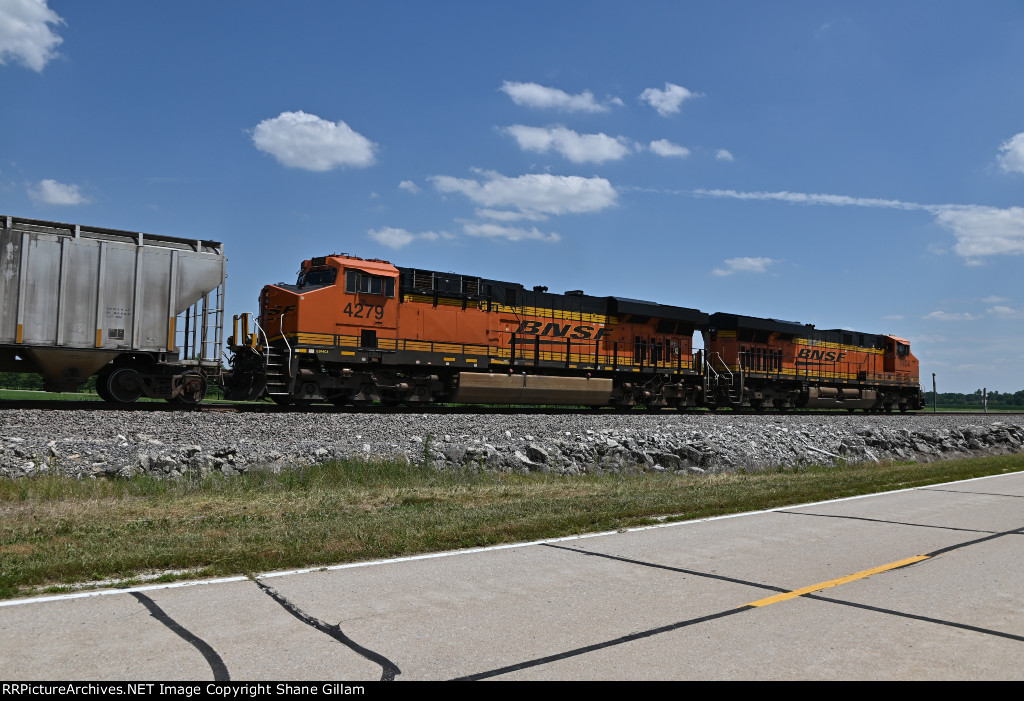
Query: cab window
(358, 282)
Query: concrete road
(920, 584)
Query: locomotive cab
(369, 305)
(897, 357)
(333, 295)
(337, 302)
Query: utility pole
(984, 398)
(935, 395)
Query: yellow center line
(836, 582)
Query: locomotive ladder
(278, 363)
(277, 372)
(716, 381)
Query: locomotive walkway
(918, 584)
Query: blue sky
(855, 165)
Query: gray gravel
(115, 443)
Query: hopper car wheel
(101, 387)
(124, 385)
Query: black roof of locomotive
(515, 294)
(722, 320)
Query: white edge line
(126, 590)
(470, 551)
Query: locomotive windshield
(317, 277)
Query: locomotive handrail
(286, 344)
(259, 330)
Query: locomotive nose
(278, 307)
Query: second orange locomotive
(361, 331)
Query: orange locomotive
(769, 363)
(359, 331)
(362, 331)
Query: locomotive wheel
(193, 389)
(124, 385)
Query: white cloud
(894, 317)
(510, 233)
(578, 148)
(724, 155)
(391, 236)
(984, 231)
(807, 198)
(744, 265)
(507, 215)
(994, 300)
(1011, 158)
(1004, 312)
(664, 147)
(930, 338)
(53, 192)
(25, 35)
(666, 101)
(396, 238)
(534, 95)
(533, 194)
(979, 230)
(409, 186)
(951, 316)
(300, 140)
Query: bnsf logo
(277, 310)
(533, 328)
(830, 356)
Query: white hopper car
(144, 312)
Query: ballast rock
(34, 442)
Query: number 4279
(364, 311)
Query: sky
(854, 165)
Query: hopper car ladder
(202, 340)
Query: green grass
(34, 395)
(58, 531)
(29, 394)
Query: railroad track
(267, 408)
